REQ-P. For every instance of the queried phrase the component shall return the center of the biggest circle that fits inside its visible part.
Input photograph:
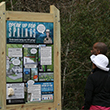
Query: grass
(11, 80)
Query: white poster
(46, 55)
(14, 52)
(34, 93)
(15, 91)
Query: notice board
(30, 60)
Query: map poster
(14, 63)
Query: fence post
(57, 57)
(2, 56)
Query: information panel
(29, 62)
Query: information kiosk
(30, 64)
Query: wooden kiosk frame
(53, 16)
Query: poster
(47, 91)
(33, 92)
(46, 55)
(14, 63)
(48, 76)
(40, 92)
(27, 74)
(29, 62)
(15, 91)
(30, 56)
(46, 58)
(23, 32)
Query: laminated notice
(46, 55)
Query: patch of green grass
(14, 75)
(11, 80)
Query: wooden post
(2, 56)
(57, 58)
(54, 17)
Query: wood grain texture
(35, 106)
(57, 58)
(29, 16)
(2, 56)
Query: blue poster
(47, 91)
(23, 32)
(46, 87)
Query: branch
(67, 50)
(11, 5)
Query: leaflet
(14, 63)
(15, 91)
(46, 55)
(15, 52)
(34, 93)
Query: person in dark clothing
(97, 89)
